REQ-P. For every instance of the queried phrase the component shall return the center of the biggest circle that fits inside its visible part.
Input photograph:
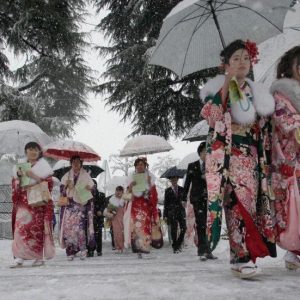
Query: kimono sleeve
(213, 111)
(284, 119)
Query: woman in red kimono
(143, 211)
(286, 155)
(32, 226)
(238, 159)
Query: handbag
(64, 200)
(38, 194)
(156, 236)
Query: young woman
(143, 209)
(32, 226)
(115, 212)
(77, 227)
(286, 155)
(238, 159)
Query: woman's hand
(87, 187)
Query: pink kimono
(286, 161)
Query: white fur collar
(290, 88)
(263, 102)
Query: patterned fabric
(286, 175)
(77, 228)
(32, 226)
(143, 214)
(237, 174)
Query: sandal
(245, 271)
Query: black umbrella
(173, 172)
(93, 170)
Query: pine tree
(50, 87)
(152, 98)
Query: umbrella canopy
(198, 133)
(183, 164)
(145, 144)
(63, 166)
(114, 182)
(194, 33)
(15, 134)
(66, 149)
(271, 50)
(173, 172)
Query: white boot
(18, 263)
(292, 261)
(245, 270)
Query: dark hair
(285, 65)
(34, 145)
(141, 159)
(227, 52)
(201, 147)
(95, 182)
(74, 157)
(119, 188)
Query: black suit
(174, 212)
(198, 198)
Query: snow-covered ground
(163, 276)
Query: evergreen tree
(154, 99)
(49, 89)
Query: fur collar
(289, 88)
(263, 102)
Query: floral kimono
(237, 169)
(144, 214)
(286, 161)
(76, 219)
(32, 226)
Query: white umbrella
(194, 33)
(198, 133)
(145, 144)
(271, 50)
(15, 134)
(183, 164)
(114, 182)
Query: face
(296, 71)
(119, 193)
(32, 153)
(140, 167)
(76, 165)
(202, 154)
(239, 63)
(174, 180)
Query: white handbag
(38, 194)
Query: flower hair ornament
(252, 49)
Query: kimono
(286, 161)
(238, 169)
(32, 226)
(117, 222)
(76, 219)
(144, 215)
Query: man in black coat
(100, 203)
(198, 197)
(174, 213)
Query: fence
(5, 212)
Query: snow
(163, 276)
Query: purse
(38, 194)
(157, 241)
(64, 200)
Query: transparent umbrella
(198, 133)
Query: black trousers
(200, 211)
(177, 218)
(98, 227)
